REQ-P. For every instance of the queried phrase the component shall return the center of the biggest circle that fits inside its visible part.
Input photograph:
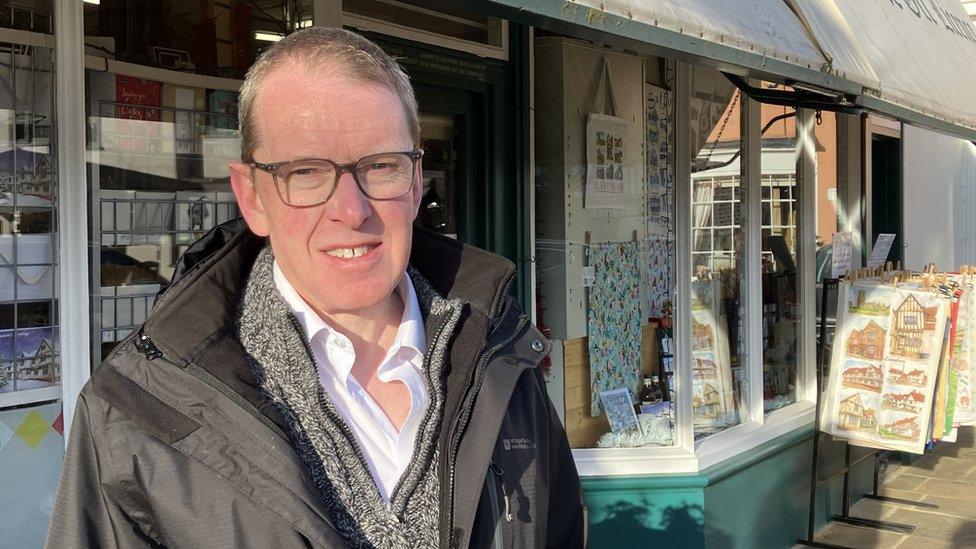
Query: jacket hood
(202, 303)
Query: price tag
(842, 253)
(879, 253)
(589, 275)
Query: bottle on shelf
(650, 393)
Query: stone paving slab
(856, 537)
(938, 526)
(946, 477)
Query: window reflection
(158, 156)
(780, 203)
(718, 373)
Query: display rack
(831, 284)
(29, 361)
(160, 182)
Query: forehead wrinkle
(319, 131)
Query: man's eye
(382, 166)
(302, 172)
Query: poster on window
(885, 361)
(713, 400)
(607, 173)
(658, 158)
(28, 359)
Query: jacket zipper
(498, 536)
(440, 329)
(497, 470)
(462, 419)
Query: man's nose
(348, 205)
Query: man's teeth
(348, 253)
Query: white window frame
(369, 24)
(757, 427)
(75, 320)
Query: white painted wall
(939, 207)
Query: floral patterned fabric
(614, 323)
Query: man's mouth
(350, 253)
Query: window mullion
(751, 176)
(684, 436)
(806, 170)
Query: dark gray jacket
(174, 445)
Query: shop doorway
(887, 204)
(452, 133)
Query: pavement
(946, 476)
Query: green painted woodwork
(757, 499)
(654, 511)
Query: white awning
(911, 56)
(766, 27)
(912, 59)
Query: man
(326, 376)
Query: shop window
(199, 36)
(605, 241)
(30, 368)
(719, 376)
(158, 155)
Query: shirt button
(537, 346)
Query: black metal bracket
(802, 96)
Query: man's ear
(248, 200)
(417, 195)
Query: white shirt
(387, 451)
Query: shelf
(187, 79)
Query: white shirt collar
(410, 334)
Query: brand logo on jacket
(518, 444)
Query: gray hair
(346, 54)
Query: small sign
(620, 410)
(842, 253)
(879, 253)
(589, 275)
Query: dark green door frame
(495, 205)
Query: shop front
(667, 182)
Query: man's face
(301, 116)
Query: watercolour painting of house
(868, 378)
(704, 369)
(707, 405)
(911, 321)
(41, 365)
(701, 336)
(864, 307)
(854, 416)
(903, 402)
(905, 429)
(867, 342)
(914, 378)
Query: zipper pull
(495, 468)
(147, 347)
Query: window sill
(30, 396)
(711, 451)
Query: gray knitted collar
(285, 368)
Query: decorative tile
(6, 433)
(58, 424)
(33, 429)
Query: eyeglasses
(310, 182)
